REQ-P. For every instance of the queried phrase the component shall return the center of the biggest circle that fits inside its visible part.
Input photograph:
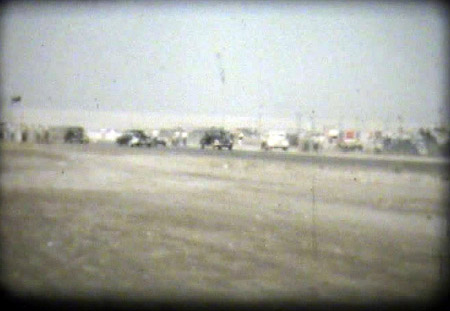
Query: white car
(275, 139)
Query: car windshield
(278, 135)
(217, 133)
(135, 132)
(165, 133)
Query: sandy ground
(155, 226)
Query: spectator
(184, 136)
(240, 138)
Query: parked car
(158, 141)
(134, 138)
(275, 139)
(76, 135)
(217, 138)
(161, 137)
(400, 146)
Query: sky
(119, 64)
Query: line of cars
(163, 137)
(138, 138)
(219, 139)
(215, 138)
(422, 142)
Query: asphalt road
(435, 166)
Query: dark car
(158, 141)
(163, 137)
(75, 135)
(134, 138)
(400, 146)
(217, 138)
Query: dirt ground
(155, 226)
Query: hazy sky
(370, 60)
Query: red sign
(350, 134)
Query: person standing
(240, 138)
(184, 136)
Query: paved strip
(439, 166)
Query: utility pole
(17, 101)
(222, 79)
(299, 121)
(340, 122)
(313, 121)
(400, 128)
(443, 118)
(260, 108)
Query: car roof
(276, 133)
(216, 131)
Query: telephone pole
(313, 121)
(400, 128)
(299, 121)
(260, 108)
